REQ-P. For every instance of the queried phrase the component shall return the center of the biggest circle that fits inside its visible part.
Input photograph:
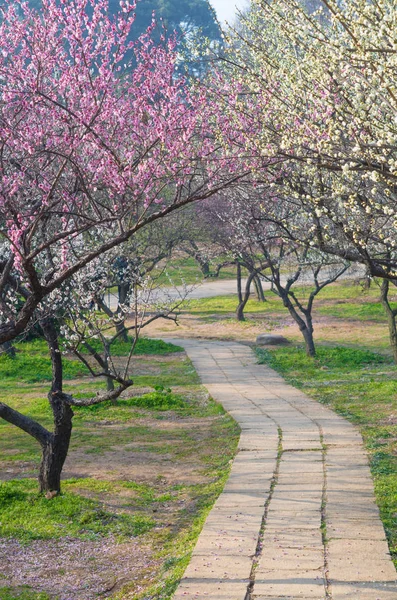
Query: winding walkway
(297, 518)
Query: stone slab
(240, 500)
(370, 570)
(356, 560)
(285, 502)
(226, 543)
(306, 584)
(196, 588)
(302, 478)
(356, 591)
(295, 468)
(292, 538)
(363, 511)
(281, 558)
(297, 493)
(296, 444)
(218, 567)
(356, 484)
(293, 520)
(255, 442)
(355, 529)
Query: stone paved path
(297, 518)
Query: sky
(226, 9)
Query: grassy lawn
(139, 480)
(342, 300)
(226, 306)
(186, 270)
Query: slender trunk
(240, 311)
(391, 317)
(56, 447)
(203, 264)
(205, 269)
(244, 299)
(305, 326)
(239, 287)
(307, 333)
(121, 330)
(123, 291)
(367, 279)
(259, 289)
(109, 380)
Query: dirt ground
(72, 569)
(326, 329)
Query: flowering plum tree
(324, 85)
(93, 148)
(92, 334)
(271, 236)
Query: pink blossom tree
(93, 149)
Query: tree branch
(113, 395)
(25, 423)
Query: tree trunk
(240, 311)
(203, 264)
(367, 279)
(391, 317)
(259, 289)
(109, 380)
(309, 341)
(123, 291)
(239, 288)
(109, 384)
(306, 327)
(56, 447)
(244, 299)
(121, 330)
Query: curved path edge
(297, 518)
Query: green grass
(144, 346)
(143, 495)
(32, 363)
(346, 300)
(186, 270)
(27, 515)
(361, 311)
(362, 387)
(22, 593)
(338, 359)
(159, 400)
(225, 305)
(172, 372)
